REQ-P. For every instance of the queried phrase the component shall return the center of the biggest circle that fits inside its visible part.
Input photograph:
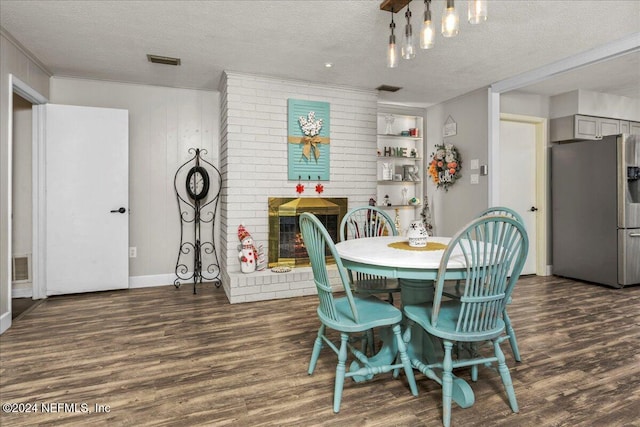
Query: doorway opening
(21, 205)
(523, 181)
(24, 182)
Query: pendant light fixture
(477, 11)
(408, 44)
(450, 20)
(392, 49)
(427, 34)
(450, 26)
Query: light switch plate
(475, 178)
(475, 164)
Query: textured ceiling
(109, 40)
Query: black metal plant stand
(197, 196)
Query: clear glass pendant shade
(427, 33)
(408, 43)
(477, 11)
(392, 53)
(450, 20)
(392, 48)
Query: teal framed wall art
(308, 142)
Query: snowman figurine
(246, 251)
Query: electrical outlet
(133, 252)
(475, 178)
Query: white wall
(163, 124)
(594, 104)
(525, 104)
(254, 166)
(453, 209)
(15, 61)
(22, 205)
(21, 238)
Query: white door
(87, 178)
(518, 178)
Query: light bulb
(477, 11)
(392, 53)
(450, 20)
(408, 44)
(427, 34)
(392, 48)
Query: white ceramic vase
(417, 234)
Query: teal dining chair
(501, 210)
(491, 252)
(350, 314)
(369, 221)
(513, 342)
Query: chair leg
(406, 362)
(371, 342)
(340, 372)
(512, 336)
(473, 348)
(317, 346)
(447, 384)
(391, 298)
(406, 338)
(506, 376)
(474, 373)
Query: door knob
(533, 209)
(121, 210)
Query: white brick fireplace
(253, 163)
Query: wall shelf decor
(444, 167)
(400, 164)
(450, 127)
(197, 185)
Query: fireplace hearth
(286, 247)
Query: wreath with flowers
(445, 165)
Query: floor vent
(21, 268)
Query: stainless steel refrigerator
(596, 210)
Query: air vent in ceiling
(388, 88)
(156, 59)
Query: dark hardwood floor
(19, 306)
(163, 356)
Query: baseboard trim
(151, 281)
(5, 322)
(22, 292)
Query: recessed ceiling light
(328, 64)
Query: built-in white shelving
(404, 154)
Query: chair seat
(373, 313)
(447, 320)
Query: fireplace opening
(286, 247)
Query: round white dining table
(417, 269)
(374, 255)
